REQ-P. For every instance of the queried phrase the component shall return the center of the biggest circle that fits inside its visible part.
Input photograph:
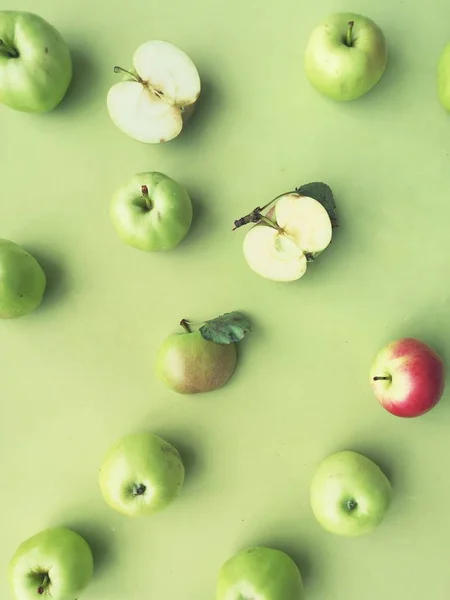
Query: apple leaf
(323, 194)
(226, 329)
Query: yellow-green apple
(56, 563)
(152, 212)
(443, 77)
(259, 573)
(154, 100)
(141, 475)
(349, 494)
(22, 281)
(407, 377)
(35, 63)
(294, 232)
(345, 56)
(192, 362)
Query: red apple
(407, 378)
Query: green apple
(56, 563)
(443, 78)
(22, 281)
(349, 494)
(154, 101)
(188, 363)
(259, 573)
(152, 212)
(35, 63)
(345, 56)
(141, 475)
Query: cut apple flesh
(306, 220)
(280, 254)
(273, 255)
(150, 108)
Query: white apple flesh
(279, 252)
(150, 104)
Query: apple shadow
(57, 283)
(83, 88)
(201, 219)
(102, 542)
(207, 108)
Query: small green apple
(22, 281)
(193, 362)
(35, 63)
(152, 212)
(157, 97)
(443, 78)
(56, 563)
(141, 475)
(349, 494)
(345, 56)
(260, 573)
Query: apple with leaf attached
(192, 362)
(156, 97)
(297, 228)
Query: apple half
(280, 249)
(155, 99)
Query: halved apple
(280, 249)
(152, 103)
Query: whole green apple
(35, 63)
(56, 563)
(141, 474)
(443, 78)
(152, 212)
(345, 56)
(349, 494)
(188, 363)
(259, 574)
(22, 281)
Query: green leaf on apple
(323, 194)
(226, 329)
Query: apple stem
(382, 378)
(185, 325)
(255, 216)
(148, 202)
(139, 489)
(269, 222)
(121, 70)
(11, 52)
(349, 38)
(41, 589)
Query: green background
(78, 373)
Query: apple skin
(415, 375)
(37, 79)
(141, 475)
(349, 477)
(259, 573)
(341, 72)
(443, 78)
(161, 227)
(64, 553)
(189, 364)
(22, 281)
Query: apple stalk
(45, 582)
(255, 216)
(8, 50)
(135, 77)
(185, 325)
(382, 378)
(148, 202)
(349, 38)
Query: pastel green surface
(77, 374)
